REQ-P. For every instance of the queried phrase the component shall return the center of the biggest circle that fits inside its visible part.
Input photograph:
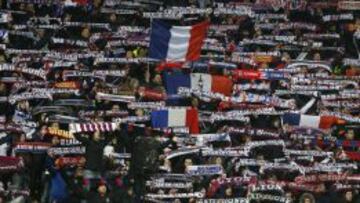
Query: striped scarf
(31, 147)
(67, 150)
(92, 127)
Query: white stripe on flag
(178, 43)
(176, 117)
(310, 121)
(201, 81)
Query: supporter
(179, 101)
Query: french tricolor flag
(200, 81)
(176, 43)
(302, 120)
(211, 83)
(176, 117)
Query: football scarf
(92, 127)
(67, 150)
(9, 164)
(60, 133)
(32, 147)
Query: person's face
(97, 3)
(317, 57)
(276, 123)
(188, 162)
(30, 8)
(228, 191)
(157, 79)
(112, 18)
(350, 135)
(102, 189)
(285, 57)
(116, 108)
(307, 200)
(43, 130)
(23, 105)
(263, 65)
(2, 87)
(130, 192)
(348, 196)
(55, 125)
(41, 32)
(2, 58)
(124, 171)
(57, 75)
(55, 140)
(129, 54)
(260, 157)
(139, 112)
(22, 138)
(22, 6)
(218, 161)
(67, 18)
(85, 33)
(82, 161)
(96, 136)
(51, 154)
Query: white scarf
(201, 170)
(175, 196)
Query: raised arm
(82, 139)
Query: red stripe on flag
(327, 122)
(192, 120)
(221, 84)
(197, 36)
(354, 156)
(169, 65)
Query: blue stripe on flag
(175, 80)
(159, 119)
(159, 39)
(291, 119)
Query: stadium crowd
(264, 109)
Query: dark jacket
(95, 197)
(94, 153)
